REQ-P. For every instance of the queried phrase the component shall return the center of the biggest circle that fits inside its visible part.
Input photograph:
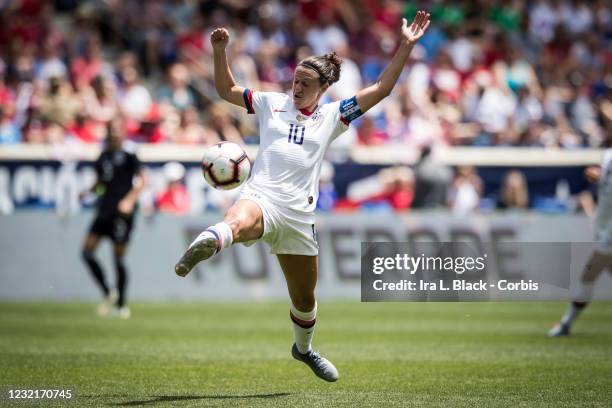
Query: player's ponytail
(327, 66)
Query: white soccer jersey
(292, 146)
(603, 220)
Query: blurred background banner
(44, 177)
(41, 254)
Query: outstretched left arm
(370, 96)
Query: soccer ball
(225, 165)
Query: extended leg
(301, 274)
(595, 265)
(243, 222)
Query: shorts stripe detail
(304, 324)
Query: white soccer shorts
(286, 231)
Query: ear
(324, 88)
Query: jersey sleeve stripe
(346, 122)
(248, 100)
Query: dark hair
(327, 66)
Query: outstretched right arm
(224, 81)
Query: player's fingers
(426, 20)
(418, 18)
(404, 23)
(426, 24)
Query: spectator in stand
(50, 65)
(577, 17)
(149, 128)
(399, 187)
(9, 132)
(134, 99)
(190, 131)
(513, 192)
(84, 69)
(7, 96)
(445, 78)
(100, 104)
(174, 199)
(514, 72)
(543, 18)
(528, 110)
(219, 127)
(84, 129)
(176, 91)
(325, 35)
(244, 67)
(60, 104)
(494, 112)
(350, 80)
(368, 134)
(466, 191)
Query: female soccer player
(278, 201)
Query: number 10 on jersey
(294, 130)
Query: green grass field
(410, 354)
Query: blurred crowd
(487, 73)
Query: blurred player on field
(120, 180)
(601, 258)
(278, 201)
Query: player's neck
(309, 109)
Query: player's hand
(126, 206)
(219, 39)
(592, 173)
(411, 33)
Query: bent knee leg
(246, 221)
(304, 302)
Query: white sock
(221, 232)
(303, 327)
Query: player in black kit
(120, 181)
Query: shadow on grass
(173, 398)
